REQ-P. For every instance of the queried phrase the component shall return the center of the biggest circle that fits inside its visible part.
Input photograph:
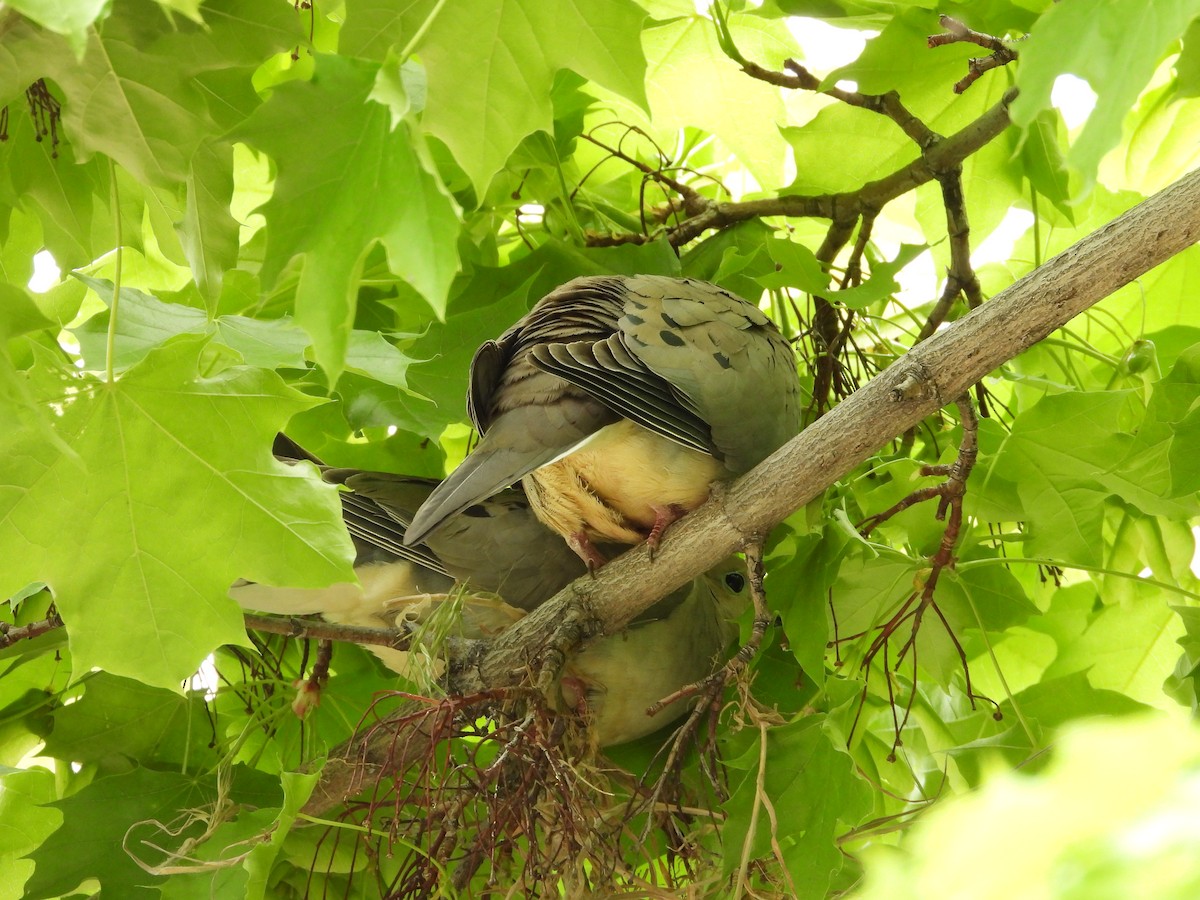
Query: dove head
(730, 586)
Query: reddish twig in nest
(514, 801)
(950, 496)
(956, 32)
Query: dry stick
(957, 32)
(961, 278)
(734, 666)
(950, 495)
(710, 690)
(829, 331)
(826, 320)
(315, 629)
(928, 377)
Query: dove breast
(612, 487)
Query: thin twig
(315, 629)
(956, 32)
(944, 153)
(11, 634)
(950, 510)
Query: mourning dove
(611, 680)
(495, 546)
(499, 546)
(618, 401)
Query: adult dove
(618, 401)
(495, 546)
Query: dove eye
(735, 581)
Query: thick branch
(10, 634)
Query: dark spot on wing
(670, 338)
(723, 360)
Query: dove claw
(586, 550)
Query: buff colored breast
(623, 482)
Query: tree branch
(957, 32)
(316, 629)
(941, 155)
(11, 634)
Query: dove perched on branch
(618, 401)
(498, 546)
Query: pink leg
(663, 516)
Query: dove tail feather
(482, 474)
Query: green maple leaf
(812, 786)
(352, 181)
(70, 19)
(121, 717)
(122, 811)
(491, 64)
(1062, 483)
(692, 84)
(1115, 46)
(164, 494)
(140, 94)
(25, 822)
